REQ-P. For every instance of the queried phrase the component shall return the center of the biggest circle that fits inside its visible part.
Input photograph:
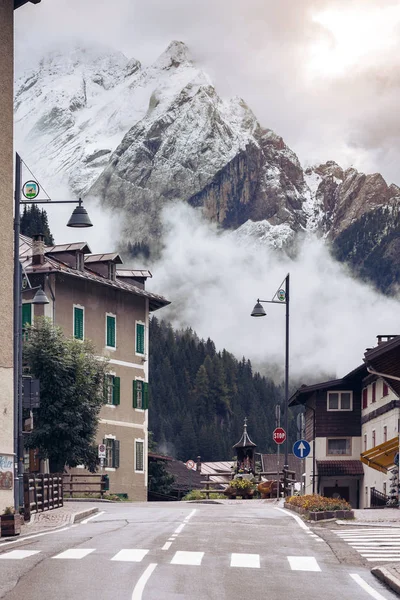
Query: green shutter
(110, 341)
(78, 323)
(145, 396)
(116, 454)
(139, 338)
(26, 314)
(134, 394)
(116, 390)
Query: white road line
(370, 590)
(186, 519)
(36, 535)
(139, 587)
(391, 529)
(377, 544)
(92, 517)
(179, 529)
(166, 546)
(174, 535)
(187, 558)
(303, 563)
(171, 539)
(18, 554)
(130, 555)
(248, 561)
(384, 559)
(295, 517)
(75, 553)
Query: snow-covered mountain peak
(176, 54)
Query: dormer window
(112, 271)
(80, 261)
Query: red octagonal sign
(279, 435)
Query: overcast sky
(324, 74)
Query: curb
(79, 516)
(384, 575)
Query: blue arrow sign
(301, 449)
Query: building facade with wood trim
(352, 425)
(92, 297)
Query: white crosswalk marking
(130, 555)
(18, 554)
(249, 561)
(75, 553)
(374, 544)
(303, 563)
(187, 558)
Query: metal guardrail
(378, 499)
(42, 491)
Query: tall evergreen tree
(34, 221)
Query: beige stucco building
(91, 297)
(6, 290)
(7, 8)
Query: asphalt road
(171, 551)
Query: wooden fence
(42, 491)
(85, 484)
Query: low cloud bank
(213, 284)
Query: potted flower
(10, 522)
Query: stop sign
(279, 435)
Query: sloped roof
(107, 257)
(340, 468)
(52, 265)
(245, 441)
(303, 393)
(134, 273)
(215, 470)
(385, 359)
(73, 247)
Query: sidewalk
(380, 517)
(70, 513)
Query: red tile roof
(339, 468)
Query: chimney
(198, 464)
(38, 249)
(381, 339)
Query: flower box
(10, 525)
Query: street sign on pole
(190, 464)
(301, 449)
(279, 435)
(102, 450)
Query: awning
(381, 457)
(340, 468)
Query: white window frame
(110, 437)
(138, 440)
(112, 348)
(337, 453)
(141, 379)
(110, 374)
(144, 337)
(73, 321)
(339, 409)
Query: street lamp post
(282, 296)
(79, 218)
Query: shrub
(241, 484)
(198, 495)
(315, 503)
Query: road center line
(166, 546)
(186, 519)
(179, 529)
(139, 587)
(365, 586)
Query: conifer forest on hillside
(199, 397)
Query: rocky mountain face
(140, 137)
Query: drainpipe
(313, 444)
(53, 298)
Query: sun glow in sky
(352, 39)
